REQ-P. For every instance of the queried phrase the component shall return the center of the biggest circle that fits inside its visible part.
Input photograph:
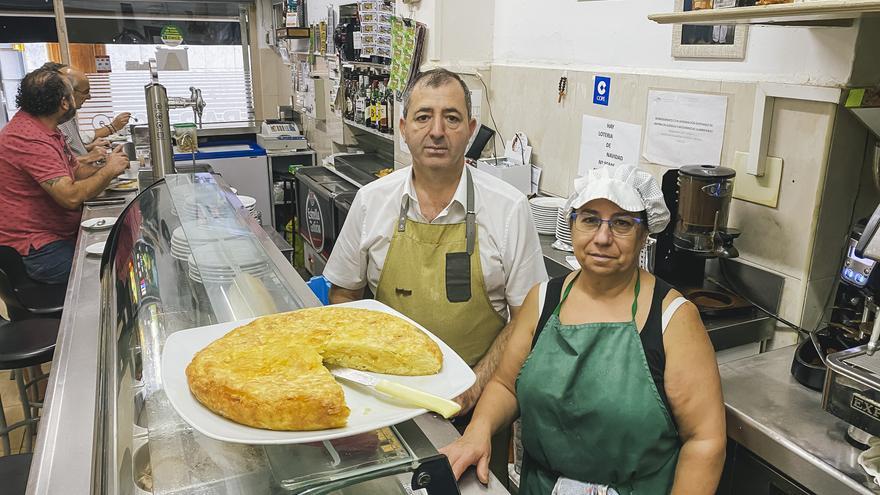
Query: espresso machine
(698, 198)
(852, 383)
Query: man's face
(81, 92)
(68, 108)
(436, 128)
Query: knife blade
(439, 405)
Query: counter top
(62, 460)
(66, 446)
(783, 422)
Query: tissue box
(518, 176)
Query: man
(43, 186)
(89, 147)
(407, 235)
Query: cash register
(281, 135)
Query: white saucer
(96, 249)
(91, 224)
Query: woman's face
(602, 251)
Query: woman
(610, 369)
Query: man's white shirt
(510, 252)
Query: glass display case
(185, 254)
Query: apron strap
(401, 219)
(635, 304)
(565, 294)
(470, 215)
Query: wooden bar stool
(24, 344)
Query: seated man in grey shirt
(89, 147)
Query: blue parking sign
(601, 90)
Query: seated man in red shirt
(42, 187)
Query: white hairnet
(630, 188)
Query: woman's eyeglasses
(589, 223)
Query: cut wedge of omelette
(270, 373)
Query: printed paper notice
(684, 128)
(608, 142)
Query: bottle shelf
(370, 130)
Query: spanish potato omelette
(270, 373)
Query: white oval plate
(96, 249)
(92, 223)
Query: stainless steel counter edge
(441, 433)
(783, 422)
(63, 457)
(62, 460)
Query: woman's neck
(608, 287)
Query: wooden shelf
(820, 13)
(370, 130)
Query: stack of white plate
(217, 261)
(563, 230)
(249, 203)
(544, 211)
(183, 244)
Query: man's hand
(117, 161)
(121, 120)
(100, 142)
(97, 154)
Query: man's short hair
(435, 78)
(42, 91)
(53, 66)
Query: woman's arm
(693, 387)
(497, 406)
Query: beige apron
(432, 274)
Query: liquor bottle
(367, 116)
(383, 108)
(389, 104)
(360, 102)
(349, 96)
(375, 100)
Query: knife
(439, 405)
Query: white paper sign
(608, 142)
(684, 128)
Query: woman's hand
(472, 449)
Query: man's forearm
(339, 295)
(102, 131)
(84, 171)
(485, 368)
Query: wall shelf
(370, 130)
(819, 13)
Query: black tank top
(651, 334)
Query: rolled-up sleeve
(347, 266)
(522, 258)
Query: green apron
(590, 410)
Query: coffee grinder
(698, 198)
